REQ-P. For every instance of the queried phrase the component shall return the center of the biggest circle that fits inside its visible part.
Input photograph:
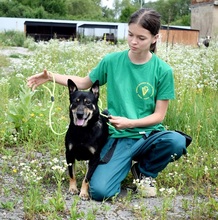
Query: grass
(36, 154)
(4, 61)
(12, 38)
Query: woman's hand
(120, 122)
(153, 119)
(38, 79)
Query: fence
(173, 36)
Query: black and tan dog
(86, 135)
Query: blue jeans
(153, 155)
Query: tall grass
(12, 38)
(24, 118)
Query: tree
(108, 14)
(126, 13)
(40, 13)
(138, 3)
(81, 9)
(172, 10)
(58, 7)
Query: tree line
(174, 12)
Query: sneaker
(145, 185)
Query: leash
(101, 109)
(52, 106)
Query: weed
(34, 200)
(4, 61)
(8, 205)
(74, 213)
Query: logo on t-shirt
(145, 90)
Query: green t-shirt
(132, 89)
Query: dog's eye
(75, 101)
(87, 102)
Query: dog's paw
(84, 196)
(73, 191)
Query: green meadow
(34, 155)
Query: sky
(109, 3)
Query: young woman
(139, 87)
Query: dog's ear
(95, 89)
(71, 86)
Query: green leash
(52, 106)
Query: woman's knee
(177, 142)
(100, 190)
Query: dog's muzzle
(81, 118)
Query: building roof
(171, 27)
(52, 24)
(98, 26)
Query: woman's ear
(155, 38)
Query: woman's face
(140, 39)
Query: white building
(63, 28)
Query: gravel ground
(13, 51)
(103, 210)
(154, 208)
(12, 190)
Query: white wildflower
(162, 189)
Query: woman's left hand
(120, 122)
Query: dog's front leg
(73, 184)
(92, 164)
(84, 193)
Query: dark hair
(148, 19)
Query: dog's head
(83, 104)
